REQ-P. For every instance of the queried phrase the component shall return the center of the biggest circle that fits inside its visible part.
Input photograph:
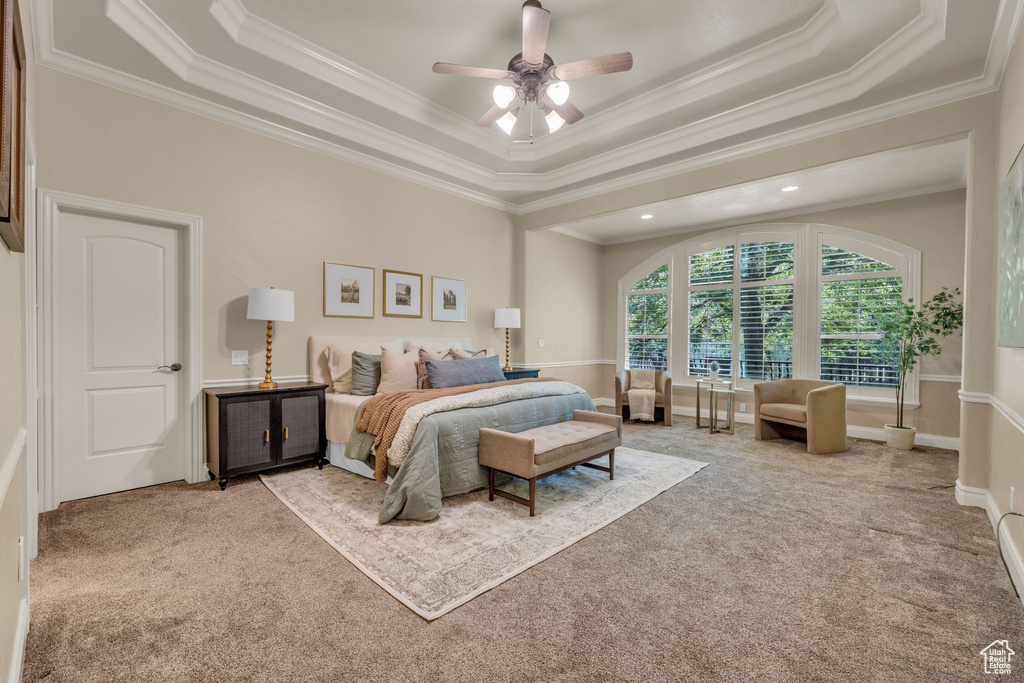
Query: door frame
(51, 206)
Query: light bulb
(559, 92)
(503, 95)
(554, 121)
(507, 121)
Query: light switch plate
(540, 343)
(239, 357)
(743, 407)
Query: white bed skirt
(336, 455)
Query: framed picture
(1011, 257)
(403, 294)
(12, 130)
(348, 291)
(448, 299)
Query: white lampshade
(503, 95)
(271, 304)
(559, 92)
(507, 121)
(554, 121)
(506, 317)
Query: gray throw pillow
(365, 373)
(462, 373)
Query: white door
(119, 414)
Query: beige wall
(563, 306)
(932, 223)
(13, 493)
(272, 213)
(11, 501)
(1006, 439)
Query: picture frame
(348, 290)
(12, 129)
(1010, 289)
(403, 294)
(448, 300)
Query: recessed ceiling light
(791, 188)
(647, 216)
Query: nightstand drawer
(521, 373)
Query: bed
(440, 456)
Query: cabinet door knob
(285, 432)
(266, 436)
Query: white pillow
(432, 345)
(397, 369)
(339, 360)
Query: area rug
(475, 544)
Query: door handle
(266, 436)
(173, 368)
(286, 433)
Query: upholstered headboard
(318, 343)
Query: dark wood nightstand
(251, 430)
(521, 373)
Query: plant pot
(712, 374)
(900, 437)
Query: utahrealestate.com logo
(997, 657)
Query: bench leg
(533, 494)
(611, 464)
(490, 483)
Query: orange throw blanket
(383, 414)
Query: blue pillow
(365, 373)
(462, 373)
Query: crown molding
(771, 216)
(142, 24)
(281, 45)
(451, 174)
(776, 55)
(900, 50)
(48, 56)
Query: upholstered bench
(543, 451)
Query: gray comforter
(443, 458)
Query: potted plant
(908, 334)
(713, 369)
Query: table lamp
(507, 318)
(270, 305)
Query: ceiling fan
(536, 77)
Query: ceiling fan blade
(478, 71)
(608, 64)
(492, 115)
(568, 111)
(536, 21)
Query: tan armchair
(818, 408)
(662, 394)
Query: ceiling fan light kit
(535, 76)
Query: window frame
(625, 291)
(808, 240)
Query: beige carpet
(475, 544)
(770, 565)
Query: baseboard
(872, 434)
(981, 498)
(971, 496)
(18, 651)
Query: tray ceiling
(353, 79)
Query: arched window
(647, 321)
(770, 302)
